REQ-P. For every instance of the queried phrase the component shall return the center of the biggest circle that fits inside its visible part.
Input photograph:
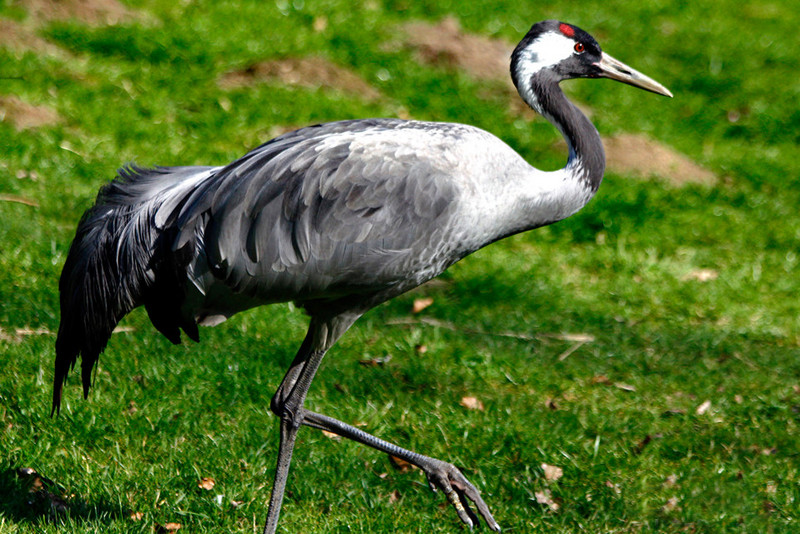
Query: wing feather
(326, 208)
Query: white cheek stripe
(545, 51)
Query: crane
(337, 218)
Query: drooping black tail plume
(119, 260)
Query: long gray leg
(288, 404)
(290, 396)
(288, 435)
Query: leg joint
(277, 403)
(288, 411)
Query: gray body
(337, 218)
(344, 212)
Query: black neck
(587, 160)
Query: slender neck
(587, 160)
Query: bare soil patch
(22, 37)
(23, 115)
(91, 12)
(638, 155)
(313, 72)
(447, 44)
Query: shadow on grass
(28, 497)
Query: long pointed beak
(617, 70)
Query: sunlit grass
(680, 414)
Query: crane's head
(553, 51)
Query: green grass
(636, 458)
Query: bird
(337, 218)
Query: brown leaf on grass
(671, 505)
(471, 403)
(421, 349)
(420, 304)
(136, 516)
(206, 483)
(546, 498)
(167, 528)
(237, 504)
(551, 404)
(703, 408)
(701, 275)
(671, 481)
(624, 387)
(552, 472)
(320, 24)
(613, 487)
(23, 174)
(394, 496)
(376, 362)
(600, 379)
(331, 435)
(401, 465)
(639, 447)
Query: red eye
(579, 48)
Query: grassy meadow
(635, 368)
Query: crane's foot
(459, 491)
(441, 475)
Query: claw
(464, 513)
(460, 492)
